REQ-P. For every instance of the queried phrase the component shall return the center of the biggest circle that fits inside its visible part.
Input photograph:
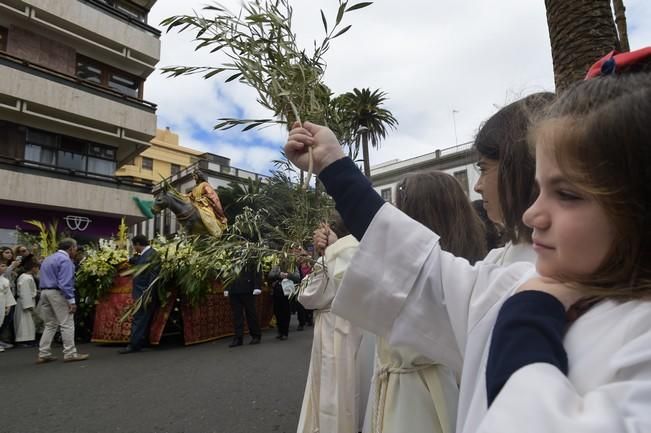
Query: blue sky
(430, 56)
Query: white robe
(6, 297)
(401, 285)
(23, 316)
(412, 393)
(332, 393)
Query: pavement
(206, 388)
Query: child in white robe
(7, 299)
(24, 325)
(331, 400)
(527, 365)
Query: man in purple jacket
(57, 304)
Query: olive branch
(262, 52)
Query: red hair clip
(616, 62)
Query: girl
(24, 326)
(506, 175)
(590, 230)
(411, 393)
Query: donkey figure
(185, 212)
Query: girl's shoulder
(511, 253)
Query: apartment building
(164, 158)
(73, 110)
(456, 160)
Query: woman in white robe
(331, 400)
(608, 385)
(23, 317)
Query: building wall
(457, 161)
(48, 192)
(164, 150)
(39, 89)
(41, 50)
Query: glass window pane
(3, 39)
(88, 71)
(72, 161)
(131, 10)
(147, 163)
(34, 136)
(36, 153)
(101, 166)
(124, 84)
(72, 145)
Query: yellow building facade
(162, 159)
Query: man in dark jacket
(141, 281)
(241, 294)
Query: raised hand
(323, 236)
(325, 146)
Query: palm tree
(581, 32)
(366, 120)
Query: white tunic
(403, 286)
(23, 319)
(412, 393)
(6, 297)
(331, 400)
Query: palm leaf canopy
(363, 108)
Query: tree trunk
(620, 21)
(365, 155)
(581, 32)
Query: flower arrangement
(100, 267)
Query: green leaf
(233, 77)
(213, 73)
(325, 22)
(342, 31)
(359, 6)
(251, 126)
(340, 12)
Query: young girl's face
(7, 254)
(572, 234)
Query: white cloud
(430, 56)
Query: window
(147, 163)
(386, 194)
(124, 84)
(70, 153)
(462, 177)
(89, 71)
(107, 76)
(175, 169)
(41, 147)
(3, 39)
(132, 10)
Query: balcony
(36, 96)
(28, 184)
(96, 29)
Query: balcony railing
(211, 167)
(123, 16)
(73, 81)
(48, 169)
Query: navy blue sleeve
(354, 196)
(529, 329)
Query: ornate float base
(209, 320)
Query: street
(204, 388)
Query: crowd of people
(550, 332)
(426, 317)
